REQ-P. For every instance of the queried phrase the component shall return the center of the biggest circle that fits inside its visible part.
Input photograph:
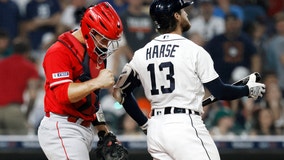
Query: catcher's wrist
(100, 115)
(97, 123)
(102, 128)
(100, 118)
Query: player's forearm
(224, 91)
(132, 108)
(77, 91)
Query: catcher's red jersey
(60, 72)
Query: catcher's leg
(62, 140)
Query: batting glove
(255, 89)
(118, 95)
(144, 128)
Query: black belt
(173, 110)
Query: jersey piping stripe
(58, 132)
(59, 82)
(168, 40)
(199, 137)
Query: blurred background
(242, 36)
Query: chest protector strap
(85, 77)
(90, 104)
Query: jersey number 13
(169, 77)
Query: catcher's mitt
(109, 148)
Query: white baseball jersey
(172, 69)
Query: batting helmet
(161, 11)
(101, 19)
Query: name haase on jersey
(159, 51)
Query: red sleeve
(58, 66)
(61, 93)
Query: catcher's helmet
(163, 10)
(101, 19)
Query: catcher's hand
(109, 148)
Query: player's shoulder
(195, 49)
(57, 50)
(192, 46)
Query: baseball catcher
(75, 72)
(109, 148)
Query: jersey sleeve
(134, 63)
(57, 67)
(205, 66)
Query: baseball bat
(242, 81)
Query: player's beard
(185, 25)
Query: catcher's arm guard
(109, 148)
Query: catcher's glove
(109, 148)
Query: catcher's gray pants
(63, 140)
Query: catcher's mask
(101, 28)
(162, 11)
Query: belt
(172, 110)
(73, 119)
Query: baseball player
(75, 72)
(173, 71)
